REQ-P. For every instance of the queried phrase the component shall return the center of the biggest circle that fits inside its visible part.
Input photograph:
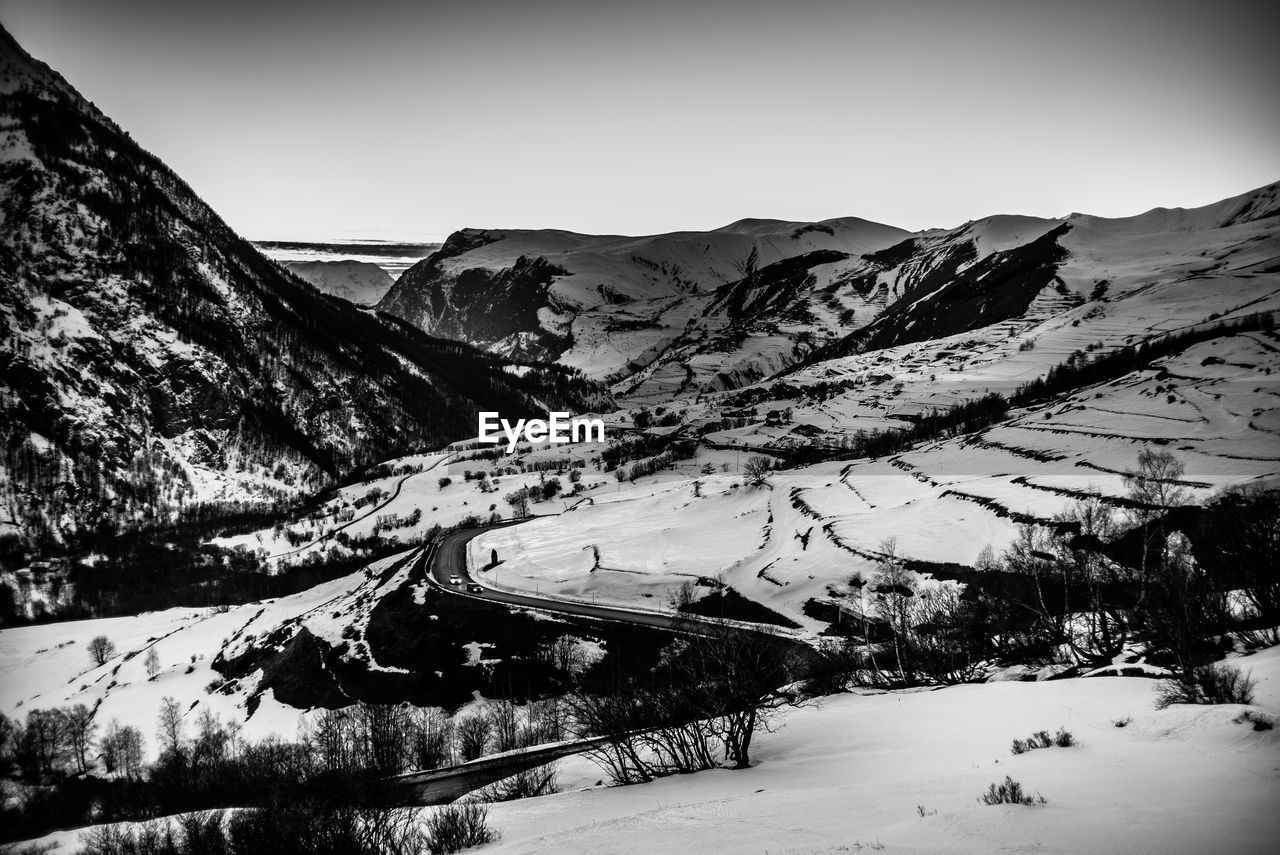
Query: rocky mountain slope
(995, 270)
(685, 314)
(153, 360)
(1067, 291)
(612, 305)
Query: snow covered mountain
(755, 292)
(1007, 268)
(153, 360)
(998, 303)
(392, 256)
(361, 282)
(684, 314)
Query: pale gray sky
(408, 120)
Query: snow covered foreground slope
(855, 774)
(901, 772)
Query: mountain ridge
(687, 313)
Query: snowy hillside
(611, 305)
(814, 530)
(901, 772)
(1214, 405)
(682, 315)
(361, 282)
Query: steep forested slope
(153, 359)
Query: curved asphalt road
(448, 557)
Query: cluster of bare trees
(204, 763)
(699, 707)
(1085, 587)
(1101, 580)
(393, 738)
(911, 634)
(64, 740)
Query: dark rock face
(996, 288)
(947, 292)
(773, 287)
(477, 304)
(186, 397)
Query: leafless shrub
(1010, 792)
(1207, 684)
(453, 828)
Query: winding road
(447, 557)
(386, 500)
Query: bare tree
(504, 724)
(519, 502)
(331, 737)
(152, 663)
(1154, 489)
(384, 731)
(1045, 599)
(431, 739)
(620, 713)
(212, 741)
(894, 586)
(80, 729)
(1178, 604)
(734, 679)
(702, 705)
(1082, 532)
(756, 472)
(473, 735)
(170, 731)
(44, 745)
(1244, 526)
(682, 596)
(565, 654)
(10, 736)
(545, 721)
(101, 649)
(947, 644)
(122, 750)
